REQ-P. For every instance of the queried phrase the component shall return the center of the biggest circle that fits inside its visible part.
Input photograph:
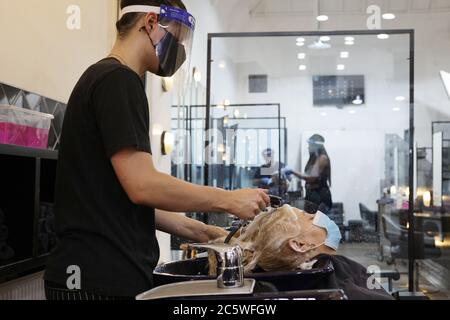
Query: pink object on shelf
(24, 136)
(23, 127)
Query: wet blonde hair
(265, 243)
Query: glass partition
(346, 149)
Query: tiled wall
(20, 98)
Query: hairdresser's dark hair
(129, 20)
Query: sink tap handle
(230, 269)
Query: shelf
(28, 152)
(22, 268)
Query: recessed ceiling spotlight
(350, 39)
(325, 38)
(324, 114)
(300, 39)
(340, 67)
(300, 44)
(400, 98)
(302, 67)
(388, 16)
(319, 45)
(345, 54)
(222, 64)
(349, 43)
(383, 36)
(396, 109)
(322, 18)
(352, 112)
(301, 56)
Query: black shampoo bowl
(197, 269)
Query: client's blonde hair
(265, 242)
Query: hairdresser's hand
(215, 233)
(246, 204)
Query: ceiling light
(400, 98)
(340, 67)
(345, 54)
(322, 18)
(300, 39)
(222, 65)
(349, 43)
(319, 45)
(396, 109)
(351, 39)
(383, 36)
(323, 114)
(325, 38)
(352, 112)
(301, 56)
(302, 67)
(358, 100)
(388, 16)
(300, 44)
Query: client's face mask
(171, 54)
(333, 238)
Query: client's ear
(297, 246)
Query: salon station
(338, 109)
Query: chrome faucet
(230, 270)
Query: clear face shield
(174, 38)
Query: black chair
(336, 213)
(370, 224)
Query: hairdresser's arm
(315, 174)
(146, 186)
(179, 225)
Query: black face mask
(171, 54)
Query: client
(288, 239)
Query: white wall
(40, 54)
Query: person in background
(317, 176)
(268, 175)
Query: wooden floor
(434, 277)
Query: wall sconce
(167, 84)
(167, 143)
(197, 75)
(427, 199)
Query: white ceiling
(277, 56)
(335, 7)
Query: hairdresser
(107, 188)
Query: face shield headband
(174, 47)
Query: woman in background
(317, 177)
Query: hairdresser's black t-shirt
(99, 229)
